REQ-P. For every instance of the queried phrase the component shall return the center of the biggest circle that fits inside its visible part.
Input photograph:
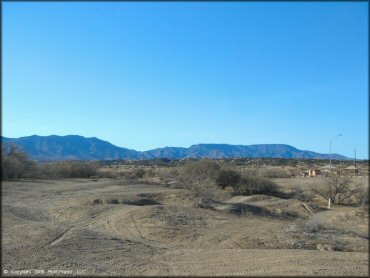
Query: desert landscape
(138, 218)
(185, 138)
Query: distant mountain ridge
(56, 147)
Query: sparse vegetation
(249, 185)
(361, 195)
(68, 169)
(338, 188)
(315, 224)
(139, 173)
(152, 206)
(276, 173)
(228, 177)
(303, 196)
(199, 179)
(15, 163)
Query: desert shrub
(249, 185)
(294, 171)
(250, 171)
(315, 224)
(69, 169)
(15, 163)
(166, 173)
(338, 188)
(122, 174)
(173, 173)
(139, 173)
(227, 177)
(199, 179)
(303, 196)
(129, 175)
(275, 173)
(106, 173)
(361, 195)
(151, 173)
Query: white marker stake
(329, 203)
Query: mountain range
(77, 147)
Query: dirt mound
(141, 199)
(179, 197)
(249, 199)
(112, 230)
(160, 224)
(134, 200)
(178, 216)
(22, 213)
(263, 205)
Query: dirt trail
(260, 262)
(109, 228)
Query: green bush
(249, 185)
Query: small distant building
(327, 169)
(312, 172)
(352, 170)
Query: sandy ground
(107, 227)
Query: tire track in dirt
(127, 240)
(260, 262)
(59, 238)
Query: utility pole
(355, 157)
(331, 141)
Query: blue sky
(146, 75)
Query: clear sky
(147, 75)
